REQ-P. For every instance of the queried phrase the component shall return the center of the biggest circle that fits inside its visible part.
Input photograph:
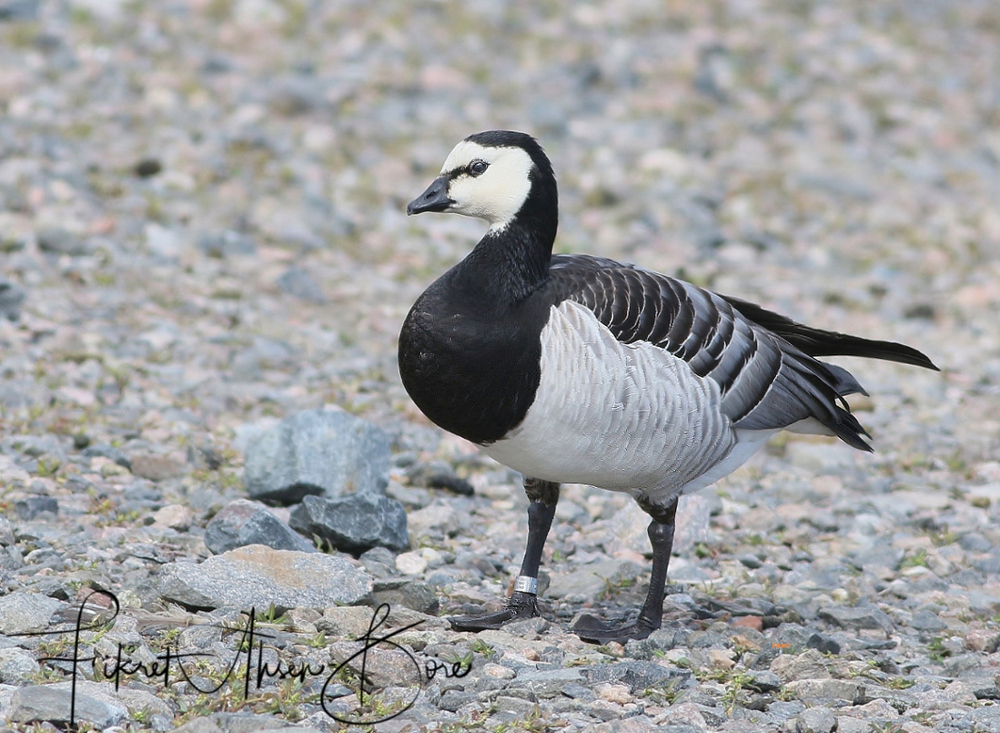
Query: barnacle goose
(571, 368)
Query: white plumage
(623, 417)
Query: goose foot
(595, 631)
(661, 537)
(519, 606)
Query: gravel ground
(202, 230)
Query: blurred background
(201, 202)
(216, 187)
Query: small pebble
(411, 563)
(618, 694)
(174, 516)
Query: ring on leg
(522, 604)
(524, 584)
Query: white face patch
(495, 195)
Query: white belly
(624, 417)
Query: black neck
(510, 264)
(470, 350)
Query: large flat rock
(258, 576)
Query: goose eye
(478, 167)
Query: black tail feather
(816, 342)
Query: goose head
(493, 176)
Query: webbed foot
(595, 631)
(519, 606)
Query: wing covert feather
(767, 382)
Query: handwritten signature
(350, 694)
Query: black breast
(472, 367)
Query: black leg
(523, 603)
(661, 537)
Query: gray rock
(878, 554)
(783, 711)
(983, 603)
(578, 692)
(157, 467)
(814, 720)
(899, 700)
(199, 725)
(762, 680)
(299, 283)
(528, 628)
(958, 665)
(19, 10)
(6, 532)
(974, 542)
(847, 724)
(989, 564)
(11, 558)
(636, 674)
(593, 579)
(23, 612)
(438, 518)
(926, 620)
(988, 690)
(547, 682)
(250, 723)
(792, 638)
(380, 562)
(62, 241)
(987, 717)
(707, 639)
(12, 296)
(703, 228)
(385, 665)
(809, 664)
(517, 705)
(264, 353)
(31, 506)
(164, 243)
(227, 244)
(16, 666)
(296, 94)
(243, 522)
(659, 641)
(258, 576)
(714, 75)
(414, 594)
(347, 621)
(108, 451)
(36, 446)
(452, 700)
(51, 703)
(824, 689)
(863, 616)
(354, 523)
(325, 452)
